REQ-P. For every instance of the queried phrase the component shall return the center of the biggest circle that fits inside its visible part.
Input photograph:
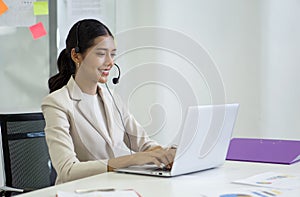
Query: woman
(88, 131)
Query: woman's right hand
(160, 157)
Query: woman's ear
(76, 57)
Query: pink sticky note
(37, 30)
(3, 7)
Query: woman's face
(98, 60)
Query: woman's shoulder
(59, 96)
(63, 95)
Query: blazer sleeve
(61, 147)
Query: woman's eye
(113, 55)
(101, 54)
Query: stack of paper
(117, 193)
(272, 180)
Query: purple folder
(264, 150)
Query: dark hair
(81, 35)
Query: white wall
(280, 69)
(66, 19)
(253, 44)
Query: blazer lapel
(108, 118)
(115, 125)
(76, 94)
(112, 115)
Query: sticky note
(37, 30)
(40, 8)
(3, 7)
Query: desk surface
(206, 183)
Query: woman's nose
(110, 60)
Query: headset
(121, 117)
(116, 79)
(77, 49)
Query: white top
(100, 116)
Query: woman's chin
(102, 80)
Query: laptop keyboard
(165, 169)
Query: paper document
(272, 180)
(117, 193)
(254, 192)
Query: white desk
(205, 183)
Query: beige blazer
(77, 144)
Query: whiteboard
(24, 68)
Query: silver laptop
(203, 143)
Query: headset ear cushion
(77, 50)
(115, 80)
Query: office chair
(26, 159)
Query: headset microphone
(116, 79)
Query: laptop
(203, 143)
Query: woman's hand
(162, 157)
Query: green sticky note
(40, 8)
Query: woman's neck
(86, 86)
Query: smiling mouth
(105, 71)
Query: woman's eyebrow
(104, 49)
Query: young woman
(88, 131)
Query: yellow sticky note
(40, 8)
(3, 7)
